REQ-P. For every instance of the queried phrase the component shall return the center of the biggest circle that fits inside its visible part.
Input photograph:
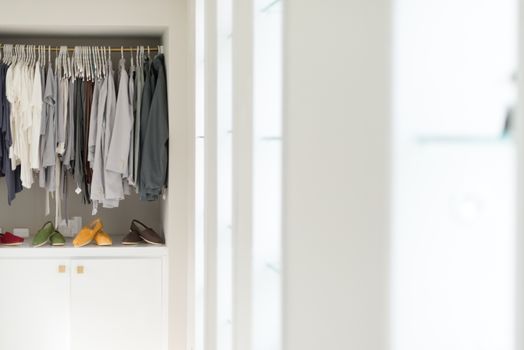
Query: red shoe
(10, 239)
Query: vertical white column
(336, 174)
(519, 137)
(242, 171)
(211, 175)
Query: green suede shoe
(57, 239)
(43, 235)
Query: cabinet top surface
(68, 251)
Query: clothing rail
(111, 49)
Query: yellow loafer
(88, 233)
(102, 238)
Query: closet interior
(28, 209)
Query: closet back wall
(27, 210)
(170, 19)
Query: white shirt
(36, 115)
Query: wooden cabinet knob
(61, 269)
(79, 269)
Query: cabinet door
(116, 304)
(34, 304)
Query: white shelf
(117, 250)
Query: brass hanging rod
(112, 48)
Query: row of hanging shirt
(78, 118)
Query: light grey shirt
(131, 153)
(118, 153)
(114, 190)
(50, 97)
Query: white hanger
(102, 55)
(104, 58)
(81, 61)
(91, 63)
(64, 63)
(121, 52)
(88, 60)
(100, 61)
(95, 61)
(74, 68)
(69, 66)
(85, 65)
(132, 59)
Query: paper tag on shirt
(78, 190)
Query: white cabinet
(34, 304)
(116, 304)
(83, 300)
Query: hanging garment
(25, 132)
(62, 117)
(19, 92)
(12, 177)
(130, 180)
(89, 87)
(49, 132)
(118, 139)
(97, 184)
(36, 110)
(105, 117)
(139, 87)
(13, 92)
(82, 88)
(93, 124)
(154, 153)
(118, 154)
(19, 83)
(69, 154)
(147, 95)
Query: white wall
(336, 161)
(169, 18)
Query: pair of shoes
(48, 234)
(10, 239)
(141, 234)
(92, 232)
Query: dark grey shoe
(132, 238)
(146, 233)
